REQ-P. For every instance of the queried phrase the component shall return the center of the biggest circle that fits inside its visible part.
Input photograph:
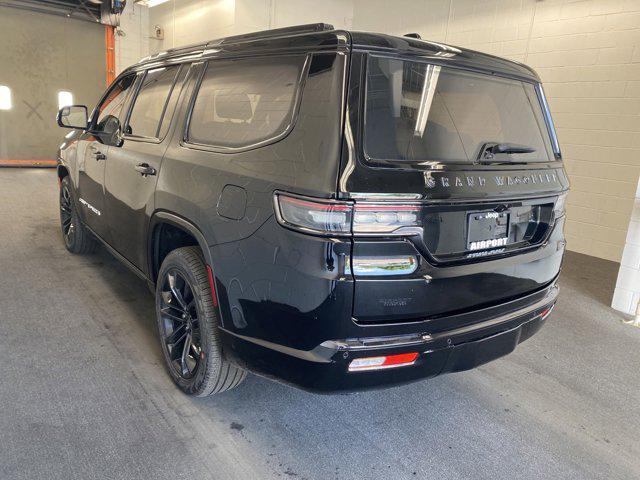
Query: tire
(77, 239)
(187, 322)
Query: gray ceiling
(80, 9)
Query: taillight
(334, 217)
(314, 216)
(371, 218)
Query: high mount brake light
(335, 217)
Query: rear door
(132, 167)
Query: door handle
(97, 154)
(145, 169)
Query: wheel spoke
(166, 312)
(185, 355)
(176, 336)
(188, 295)
(66, 223)
(66, 212)
(179, 323)
(176, 292)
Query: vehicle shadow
(294, 432)
(486, 423)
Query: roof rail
(276, 32)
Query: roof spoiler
(276, 32)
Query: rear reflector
(545, 313)
(212, 285)
(379, 363)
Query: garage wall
(41, 55)
(132, 36)
(588, 55)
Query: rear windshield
(418, 112)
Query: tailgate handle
(145, 169)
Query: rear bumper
(325, 368)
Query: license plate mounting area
(487, 230)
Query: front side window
(151, 102)
(418, 112)
(111, 107)
(242, 103)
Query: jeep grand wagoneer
(334, 210)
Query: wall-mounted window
(64, 99)
(5, 98)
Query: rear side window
(419, 112)
(244, 103)
(151, 103)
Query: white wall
(132, 36)
(627, 294)
(191, 21)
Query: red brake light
(314, 216)
(335, 217)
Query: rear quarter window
(245, 103)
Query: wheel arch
(161, 218)
(62, 171)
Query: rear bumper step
(326, 367)
(331, 347)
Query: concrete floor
(84, 393)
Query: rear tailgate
(477, 152)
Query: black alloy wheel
(77, 238)
(188, 326)
(66, 213)
(179, 324)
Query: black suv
(335, 210)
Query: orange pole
(110, 44)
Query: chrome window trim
(548, 120)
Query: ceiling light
(151, 3)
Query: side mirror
(109, 131)
(73, 116)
